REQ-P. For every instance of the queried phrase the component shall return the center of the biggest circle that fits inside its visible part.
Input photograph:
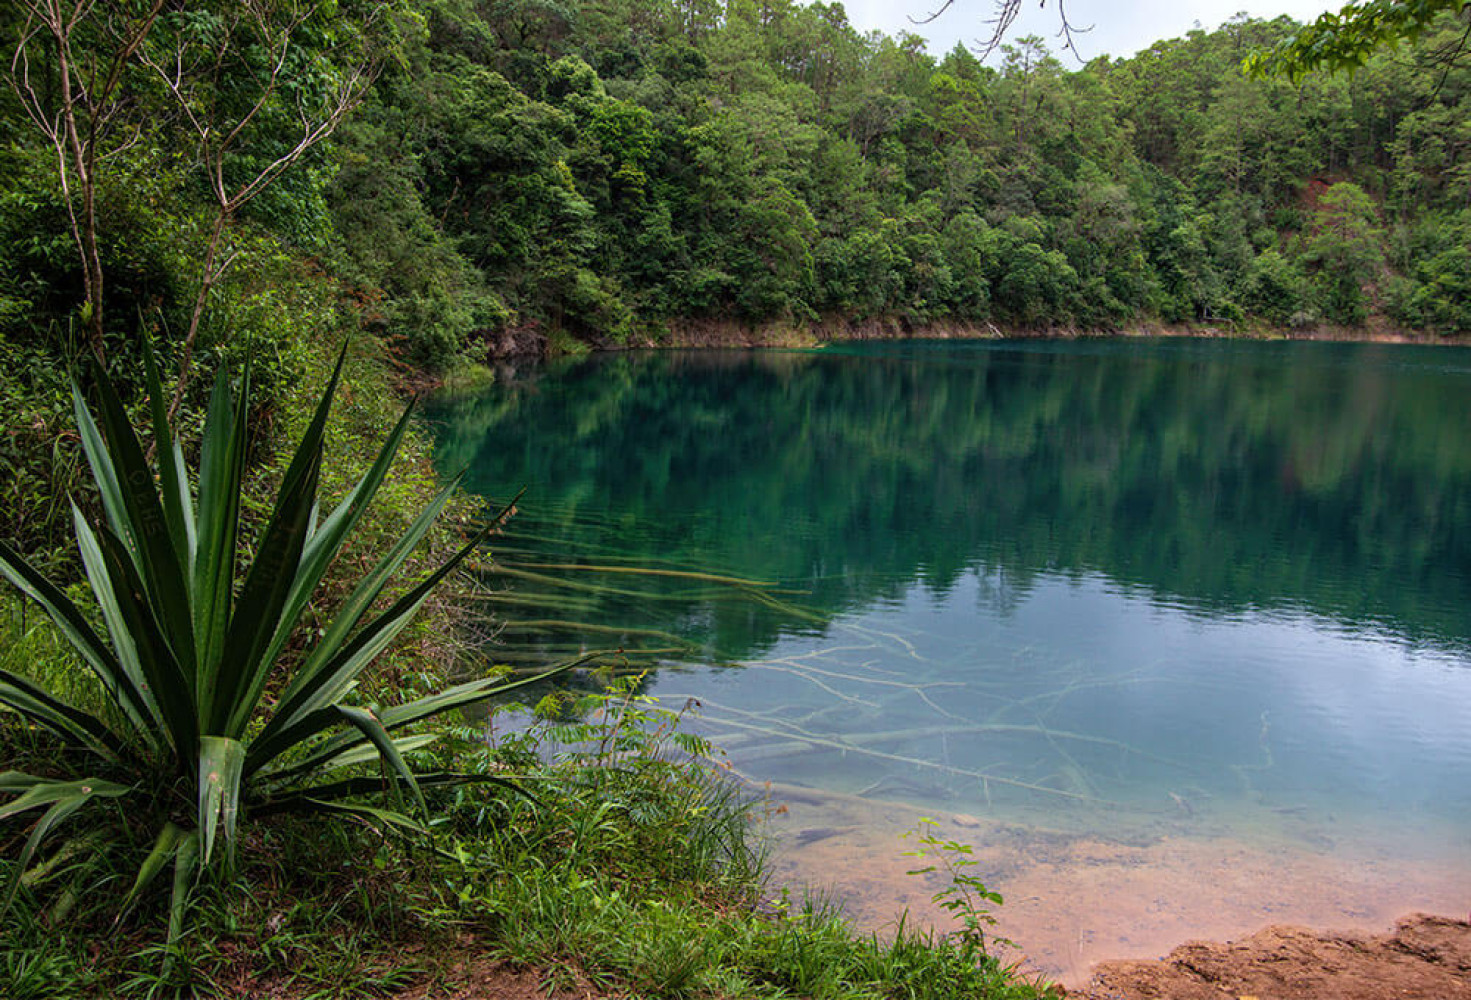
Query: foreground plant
(188, 741)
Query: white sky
(1120, 29)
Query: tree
(259, 83)
(1346, 40)
(1345, 248)
(1273, 288)
(68, 69)
(1341, 41)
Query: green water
(1089, 584)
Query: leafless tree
(68, 69)
(72, 93)
(193, 73)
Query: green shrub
(187, 742)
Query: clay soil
(1424, 956)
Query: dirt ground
(1424, 956)
(479, 979)
(1095, 915)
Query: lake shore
(1079, 905)
(721, 333)
(1423, 956)
(1078, 900)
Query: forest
(231, 225)
(484, 175)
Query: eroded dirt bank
(531, 341)
(1424, 956)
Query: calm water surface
(1117, 589)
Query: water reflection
(1222, 478)
(1130, 590)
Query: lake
(1175, 632)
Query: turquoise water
(1091, 585)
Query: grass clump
(641, 871)
(634, 868)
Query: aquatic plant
(965, 897)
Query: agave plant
(191, 650)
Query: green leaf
(63, 798)
(221, 763)
(309, 799)
(471, 692)
(130, 690)
(359, 750)
(35, 703)
(186, 861)
(167, 686)
(103, 471)
(396, 717)
(39, 792)
(243, 668)
(387, 817)
(326, 541)
(221, 468)
(319, 685)
(357, 605)
(164, 849)
(173, 484)
(68, 619)
(367, 723)
(157, 561)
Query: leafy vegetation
(521, 175)
(1345, 40)
(181, 743)
(651, 170)
(636, 871)
(253, 180)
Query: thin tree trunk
(207, 281)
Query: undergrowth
(632, 866)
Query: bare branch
(217, 137)
(1006, 14)
(86, 104)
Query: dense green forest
(458, 177)
(602, 172)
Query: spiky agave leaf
(221, 470)
(130, 694)
(188, 659)
(60, 798)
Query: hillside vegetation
(252, 184)
(599, 173)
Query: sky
(1119, 29)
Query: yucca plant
(189, 739)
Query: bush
(186, 742)
(1274, 288)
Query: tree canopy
(1347, 39)
(487, 175)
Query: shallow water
(1175, 631)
